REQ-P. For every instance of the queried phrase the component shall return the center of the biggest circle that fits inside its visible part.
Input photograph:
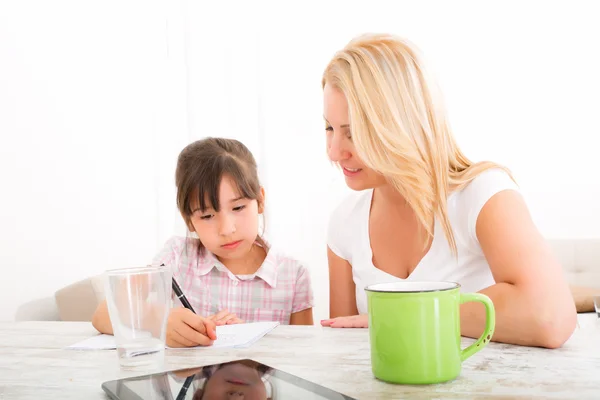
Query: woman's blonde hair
(399, 126)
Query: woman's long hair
(399, 125)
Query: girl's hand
(354, 321)
(186, 329)
(225, 318)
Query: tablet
(240, 379)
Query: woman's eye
(329, 129)
(239, 208)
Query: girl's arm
(533, 303)
(304, 317)
(302, 302)
(184, 328)
(101, 319)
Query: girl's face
(340, 147)
(235, 381)
(230, 232)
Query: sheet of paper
(99, 342)
(238, 336)
(241, 335)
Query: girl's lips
(237, 382)
(232, 245)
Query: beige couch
(78, 301)
(580, 260)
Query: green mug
(414, 330)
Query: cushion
(78, 301)
(584, 297)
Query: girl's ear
(261, 201)
(190, 226)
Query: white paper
(241, 335)
(238, 336)
(99, 342)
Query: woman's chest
(397, 245)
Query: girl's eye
(329, 129)
(206, 217)
(349, 135)
(239, 208)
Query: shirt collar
(267, 271)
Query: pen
(181, 296)
(185, 387)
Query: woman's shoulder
(465, 205)
(484, 186)
(350, 205)
(346, 222)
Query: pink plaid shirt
(279, 288)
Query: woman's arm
(342, 296)
(304, 317)
(533, 303)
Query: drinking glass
(139, 301)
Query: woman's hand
(224, 317)
(354, 321)
(186, 329)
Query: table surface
(35, 364)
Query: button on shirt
(279, 288)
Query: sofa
(580, 259)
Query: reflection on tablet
(235, 380)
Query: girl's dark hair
(200, 169)
(208, 371)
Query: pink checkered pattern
(279, 288)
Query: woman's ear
(261, 201)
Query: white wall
(83, 110)
(97, 100)
(519, 79)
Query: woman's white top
(348, 237)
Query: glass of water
(139, 301)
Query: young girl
(229, 274)
(239, 379)
(243, 379)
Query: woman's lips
(351, 171)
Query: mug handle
(490, 323)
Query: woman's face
(235, 381)
(340, 147)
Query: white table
(35, 365)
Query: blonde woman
(422, 210)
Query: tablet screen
(235, 380)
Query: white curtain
(247, 82)
(253, 72)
